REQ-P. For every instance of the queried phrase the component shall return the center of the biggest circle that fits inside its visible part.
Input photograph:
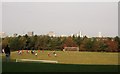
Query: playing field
(71, 57)
(69, 61)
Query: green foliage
(52, 43)
(103, 46)
(69, 42)
(14, 43)
(117, 39)
(89, 44)
(77, 40)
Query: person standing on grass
(36, 54)
(54, 53)
(42, 50)
(33, 50)
(49, 54)
(7, 52)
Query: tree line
(44, 42)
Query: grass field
(69, 61)
(72, 57)
(47, 67)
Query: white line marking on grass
(27, 60)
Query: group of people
(27, 51)
(35, 53)
(6, 50)
(54, 53)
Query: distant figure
(49, 54)
(22, 51)
(54, 53)
(19, 52)
(7, 52)
(36, 54)
(63, 50)
(27, 51)
(42, 50)
(32, 51)
(38, 50)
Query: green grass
(46, 67)
(69, 61)
(72, 57)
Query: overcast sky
(61, 17)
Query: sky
(61, 17)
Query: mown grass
(72, 57)
(47, 67)
(69, 61)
